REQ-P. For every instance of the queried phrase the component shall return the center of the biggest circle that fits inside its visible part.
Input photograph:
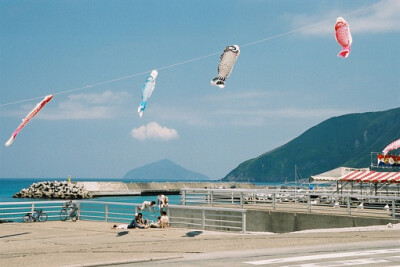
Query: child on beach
(148, 205)
(157, 224)
(162, 201)
(137, 222)
(121, 226)
(140, 222)
(164, 220)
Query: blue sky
(278, 89)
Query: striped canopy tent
(371, 177)
(335, 174)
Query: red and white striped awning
(371, 177)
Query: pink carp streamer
(31, 114)
(343, 36)
(391, 146)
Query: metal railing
(294, 200)
(14, 211)
(210, 218)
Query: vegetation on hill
(346, 140)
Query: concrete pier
(152, 188)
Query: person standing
(162, 202)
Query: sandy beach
(87, 243)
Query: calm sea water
(10, 186)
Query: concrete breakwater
(82, 190)
(54, 190)
(152, 188)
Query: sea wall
(269, 221)
(282, 222)
(80, 190)
(152, 188)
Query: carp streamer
(31, 114)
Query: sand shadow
(5, 236)
(193, 233)
(122, 233)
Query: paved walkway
(85, 243)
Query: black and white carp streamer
(226, 63)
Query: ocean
(10, 186)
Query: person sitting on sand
(157, 224)
(137, 222)
(164, 220)
(140, 221)
(148, 205)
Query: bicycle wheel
(74, 216)
(27, 218)
(42, 217)
(63, 215)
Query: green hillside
(346, 140)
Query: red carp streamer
(31, 114)
(343, 36)
(392, 146)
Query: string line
(186, 61)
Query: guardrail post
(348, 205)
(106, 213)
(241, 199)
(273, 201)
(183, 197)
(32, 208)
(309, 203)
(211, 197)
(393, 209)
(243, 221)
(79, 210)
(203, 219)
(232, 197)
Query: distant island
(346, 140)
(163, 170)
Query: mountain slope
(339, 141)
(163, 170)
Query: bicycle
(69, 211)
(37, 215)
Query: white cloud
(87, 106)
(154, 131)
(383, 16)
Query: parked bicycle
(37, 215)
(69, 211)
